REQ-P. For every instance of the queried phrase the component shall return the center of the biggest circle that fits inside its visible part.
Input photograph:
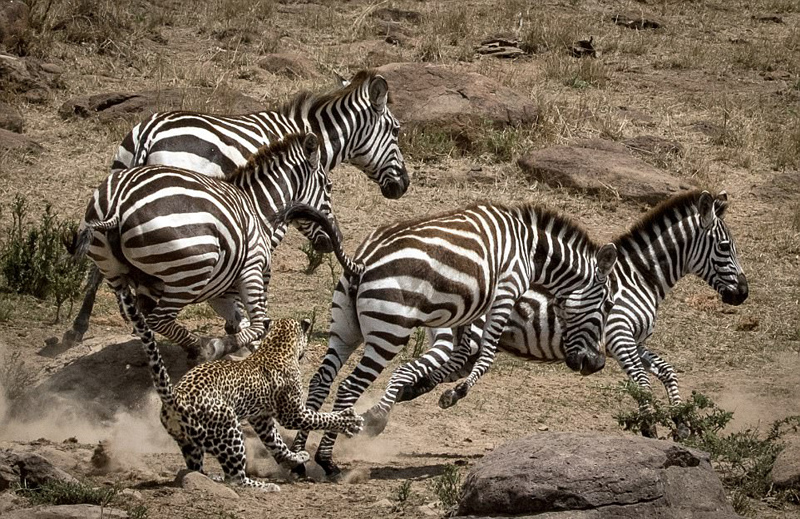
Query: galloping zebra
(354, 124)
(686, 234)
(178, 237)
(450, 270)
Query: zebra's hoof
(299, 471)
(71, 338)
(374, 423)
(681, 432)
(650, 431)
(332, 470)
(448, 399)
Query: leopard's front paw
(353, 423)
(298, 458)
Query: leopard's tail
(158, 371)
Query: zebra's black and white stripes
(685, 235)
(450, 270)
(354, 124)
(179, 237)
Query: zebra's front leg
(666, 374)
(486, 354)
(230, 308)
(623, 347)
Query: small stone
(383, 503)
(543, 428)
(132, 493)
(429, 509)
(197, 482)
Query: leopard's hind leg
(226, 443)
(267, 431)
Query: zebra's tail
(306, 212)
(77, 241)
(158, 371)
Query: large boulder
(67, 512)
(589, 475)
(290, 65)
(14, 17)
(28, 469)
(29, 77)
(10, 118)
(114, 105)
(434, 95)
(597, 166)
(11, 141)
(786, 469)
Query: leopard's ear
(306, 325)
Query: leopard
(204, 410)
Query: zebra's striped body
(178, 237)
(354, 124)
(685, 235)
(448, 271)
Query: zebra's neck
(559, 250)
(333, 120)
(269, 189)
(661, 253)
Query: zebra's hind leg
(228, 307)
(468, 346)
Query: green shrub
(33, 260)
(66, 493)
(743, 459)
(447, 487)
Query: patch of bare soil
(709, 62)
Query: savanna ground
(722, 83)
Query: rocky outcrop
(596, 166)
(114, 105)
(289, 65)
(28, 469)
(588, 475)
(10, 118)
(11, 141)
(433, 95)
(14, 18)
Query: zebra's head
(315, 191)
(376, 150)
(583, 315)
(713, 256)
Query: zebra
(448, 270)
(685, 234)
(179, 237)
(353, 122)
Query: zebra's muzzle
(585, 363)
(397, 186)
(736, 296)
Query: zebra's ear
(606, 258)
(378, 93)
(340, 78)
(311, 149)
(721, 204)
(705, 206)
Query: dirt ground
(715, 78)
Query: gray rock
(67, 512)
(114, 105)
(433, 95)
(786, 469)
(197, 482)
(289, 65)
(22, 75)
(14, 18)
(10, 141)
(597, 166)
(592, 476)
(10, 118)
(28, 469)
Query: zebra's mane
(266, 154)
(306, 101)
(543, 215)
(664, 215)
